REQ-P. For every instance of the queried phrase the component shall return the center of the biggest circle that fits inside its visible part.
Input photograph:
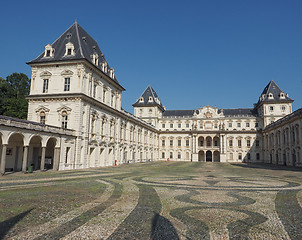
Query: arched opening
(92, 157)
(35, 152)
(284, 159)
(110, 156)
(294, 157)
(209, 141)
(209, 156)
(201, 141)
(14, 153)
(216, 156)
(102, 154)
(201, 156)
(125, 156)
(216, 141)
(50, 153)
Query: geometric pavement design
(167, 200)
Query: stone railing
(25, 124)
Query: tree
(13, 91)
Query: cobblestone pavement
(163, 200)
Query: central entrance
(209, 156)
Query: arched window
(64, 119)
(42, 117)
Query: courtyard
(162, 200)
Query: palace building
(76, 120)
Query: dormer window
(270, 96)
(48, 51)
(150, 99)
(282, 95)
(141, 99)
(95, 59)
(69, 51)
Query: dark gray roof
(84, 45)
(273, 88)
(143, 100)
(239, 112)
(178, 113)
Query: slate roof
(274, 89)
(239, 112)
(149, 92)
(178, 113)
(84, 45)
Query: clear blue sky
(193, 53)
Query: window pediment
(64, 108)
(42, 109)
(45, 74)
(66, 73)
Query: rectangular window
(179, 156)
(248, 156)
(239, 143)
(247, 124)
(104, 96)
(256, 124)
(257, 156)
(69, 51)
(171, 142)
(187, 125)
(64, 121)
(257, 143)
(48, 53)
(171, 125)
(163, 155)
(67, 84)
(248, 143)
(45, 85)
(171, 155)
(230, 124)
(94, 90)
(179, 125)
(163, 143)
(163, 125)
(179, 143)
(231, 143)
(240, 156)
(215, 143)
(187, 143)
(42, 119)
(67, 154)
(238, 124)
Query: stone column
(56, 159)
(43, 158)
(290, 158)
(3, 159)
(24, 164)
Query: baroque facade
(76, 120)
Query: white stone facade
(75, 120)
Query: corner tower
(148, 107)
(273, 104)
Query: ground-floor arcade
(25, 145)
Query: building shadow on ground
(8, 224)
(163, 229)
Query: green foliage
(13, 91)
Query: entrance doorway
(209, 156)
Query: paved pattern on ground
(175, 200)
